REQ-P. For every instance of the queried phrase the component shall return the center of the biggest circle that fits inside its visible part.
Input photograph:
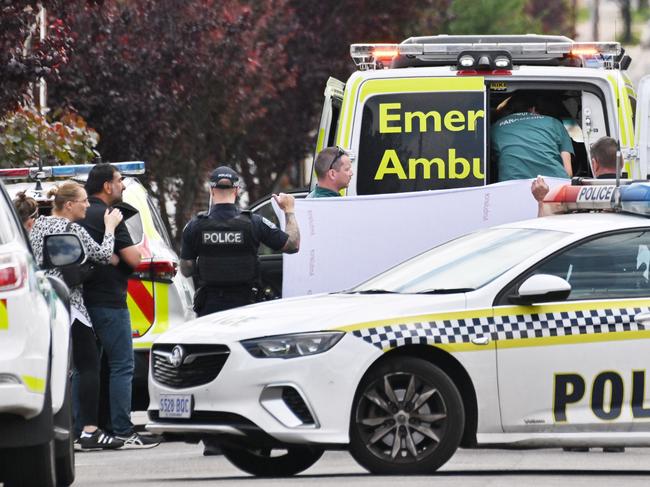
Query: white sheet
(345, 241)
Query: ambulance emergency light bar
(631, 198)
(372, 56)
(131, 168)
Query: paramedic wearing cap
(527, 143)
(334, 171)
(220, 248)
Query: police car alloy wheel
(407, 418)
(266, 462)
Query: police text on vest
(223, 237)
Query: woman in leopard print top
(70, 204)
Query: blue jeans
(113, 328)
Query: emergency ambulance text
(453, 120)
(452, 168)
(393, 120)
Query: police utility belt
(227, 253)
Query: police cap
(224, 178)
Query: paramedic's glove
(539, 188)
(285, 202)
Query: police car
(158, 296)
(36, 441)
(526, 335)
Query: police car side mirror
(62, 250)
(541, 288)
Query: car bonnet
(307, 314)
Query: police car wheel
(36, 464)
(407, 418)
(265, 462)
(64, 448)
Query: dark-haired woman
(27, 209)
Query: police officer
(220, 248)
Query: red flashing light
(562, 194)
(584, 51)
(384, 54)
(22, 172)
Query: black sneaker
(136, 440)
(98, 440)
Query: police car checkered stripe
(506, 327)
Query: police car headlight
(292, 346)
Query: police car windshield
(464, 264)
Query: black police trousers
(210, 300)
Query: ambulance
(416, 116)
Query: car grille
(181, 366)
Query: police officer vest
(227, 252)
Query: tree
(23, 57)
(553, 16)
(626, 14)
(26, 137)
(491, 17)
(178, 84)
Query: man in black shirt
(105, 298)
(220, 249)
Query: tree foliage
(178, 84)
(491, 17)
(23, 57)
(553, 16)
(27, 136)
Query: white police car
(531, 334)
(36, 441)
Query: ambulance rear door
(593, 121)
(329, 117)
(418, 134)
(642, 129)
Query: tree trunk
(626, 13)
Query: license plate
(175, 406)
